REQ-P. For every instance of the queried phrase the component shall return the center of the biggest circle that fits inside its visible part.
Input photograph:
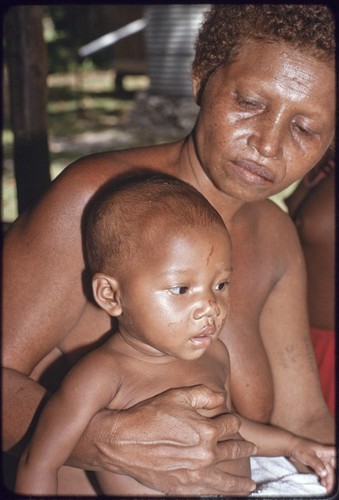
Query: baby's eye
(222, 285)
(179, 290)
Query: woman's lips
(253, 172)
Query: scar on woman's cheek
(208, 258)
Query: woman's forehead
(281, 67)
(277, 52)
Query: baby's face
(175, 298)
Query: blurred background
(79, 79)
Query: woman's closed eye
(248, 103)
(304, 130)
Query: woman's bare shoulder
(108, 164)
(272, 234)
(266, 218)
(64, 202)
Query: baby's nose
(213, 309)
(209, 309)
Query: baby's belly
(120, 485)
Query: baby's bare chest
(140, 381)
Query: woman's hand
(165, 444)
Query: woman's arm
(43, 298)
(298, 403)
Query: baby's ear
(106, 293)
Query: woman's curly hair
(225, 28)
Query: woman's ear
(196, 83)
(106, 292)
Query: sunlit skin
(186, 301)
(268, 108)
(170, 310)
(238, 154)
(248, 152)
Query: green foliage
(61, 40)
(68, 27)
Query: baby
(160, 259)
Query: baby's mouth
(205, 337)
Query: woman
(264, 78)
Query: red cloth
(324, 347)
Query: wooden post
(27, 70)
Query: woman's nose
(267, 137)
(208, 308)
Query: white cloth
(277, 476)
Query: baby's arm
(88, 387)
(273, 441)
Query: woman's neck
(192, 172)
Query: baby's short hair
(134, 210)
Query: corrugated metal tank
(170, 36)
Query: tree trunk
(27, 71)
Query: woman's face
(265, 119)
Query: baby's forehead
(167, 241)
(162, 230)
